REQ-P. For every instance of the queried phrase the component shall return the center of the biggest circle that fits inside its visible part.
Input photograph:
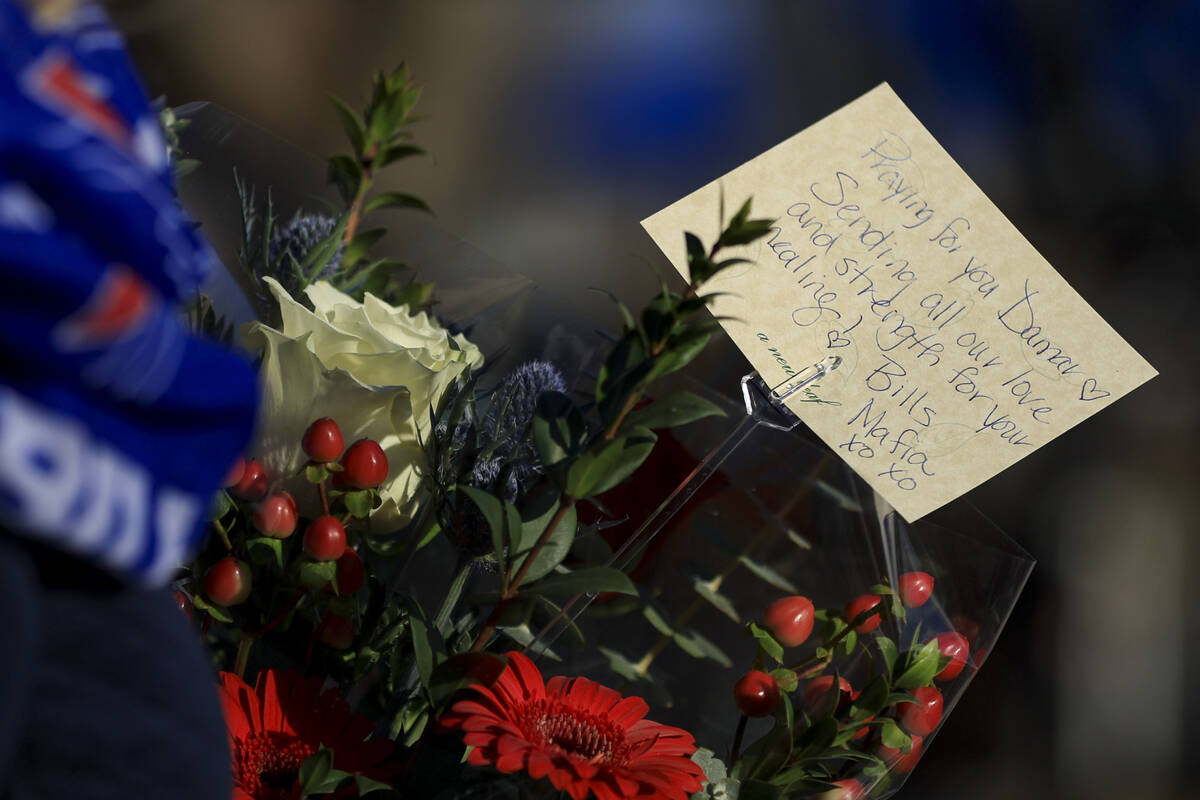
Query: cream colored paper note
(963, 350)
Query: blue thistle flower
(299, 237)
(513, 404)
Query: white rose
(373, 368)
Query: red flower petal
(582, 736)
(287, 718)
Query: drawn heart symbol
(1091, 391)
(837, 340)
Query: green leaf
(674, 409)
(656, 619)
(700, 268)
(769, 575)
(422, 650)
(367, 785)
(788, 712)
(872, 700)
(359, 503)
(681, 351)
(626, 314)
(595, 473)
(723, 603)
(556, 548)
(315, 574)
(786, 678)
(848, 644)
(922, 667)
(764, 758)
(893, 737)
(621, 665)
(333, 779)
(413, 294)
(222, 504)
(268, 547)
(817, 738)
(754, 789)
(316, 473)
(215, 611)
(592, 580)
(361, 244)
(558, 428)
(767, 642)
(493, 512)
(350, 123)
(697, 646)
(396, 200)
(314, 770)
(397, 152)
(887, 648)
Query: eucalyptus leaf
(722, 603)
(768, 575)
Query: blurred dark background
(556, 127)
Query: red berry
(276, 515)
(325, 539)
(902, 762)
(323, 440)
(924, 715)
(336, 631)
(227, 582)
(817, 691)
(952, 645)
(235, 473)
(915, 588)
(848, 789)
(365, 464)
(756, 694)
(253, 483)
(790, 620)
(860, 604)
(183, 603)
(350, 573)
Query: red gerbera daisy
(286, 718)
(579, 734)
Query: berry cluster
(314, 576)
(898, 706)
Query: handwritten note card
(963, 350)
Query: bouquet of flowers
(418, 522)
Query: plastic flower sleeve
(779, 517)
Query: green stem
(737, 740)
(698, 602)
(453, 594)
(245, 644)
(830, 645)
(224, 534)
(514, 585)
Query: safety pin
(804, 377)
